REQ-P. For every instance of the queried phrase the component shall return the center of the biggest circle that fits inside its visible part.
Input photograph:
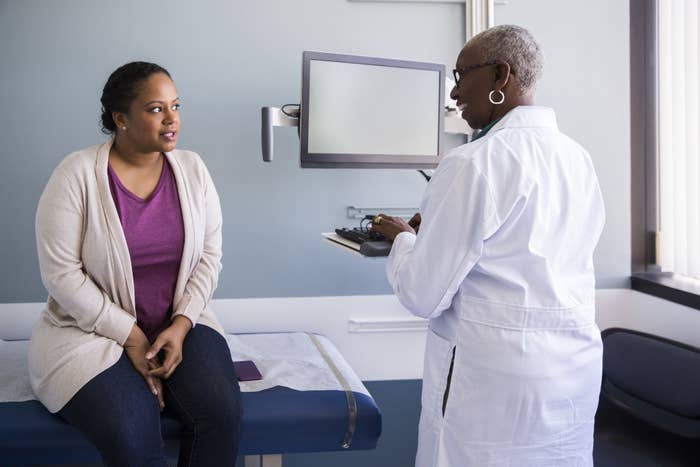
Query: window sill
(676, 288)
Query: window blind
(679, 138)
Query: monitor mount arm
(274, 116)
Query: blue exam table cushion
(276, 420)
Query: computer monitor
(364, 112)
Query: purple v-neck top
(154, 234)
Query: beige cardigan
(86, 268)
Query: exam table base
(267, 460)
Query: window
(665, 171)
(678, 138)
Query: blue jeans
(120, 415)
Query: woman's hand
(136, 346)
(170, 341)
(158, 384)
(390, 226)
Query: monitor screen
(370, 112)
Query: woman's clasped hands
(158, 361)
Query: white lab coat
(502, 265)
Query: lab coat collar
(527, 116)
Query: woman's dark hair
(122, 88)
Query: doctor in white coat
(502, 266)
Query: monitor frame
(384, 161)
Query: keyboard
(360, 236)
(370, 243)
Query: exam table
(339, 415)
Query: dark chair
(649, 413)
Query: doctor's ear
(502, 72)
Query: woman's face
(153, 121)
(472, 91)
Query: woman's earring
(124, 128)
(491, 100)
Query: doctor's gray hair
(515, 45)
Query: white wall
(586, 80)
(378, 337)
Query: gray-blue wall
(229, 58)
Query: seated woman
(129, 243)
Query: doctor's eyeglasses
(459, 73)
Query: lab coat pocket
(438, 359)
(558, 412)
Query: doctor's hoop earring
(491, 100)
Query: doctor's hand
(136, 347)
(415, 221)
(170, 342)
(390, 226)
